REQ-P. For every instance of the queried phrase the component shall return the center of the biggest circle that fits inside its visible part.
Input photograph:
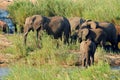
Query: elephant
(97, 35)
(118, 33)
(117, 29)
(108, 27)
(3, 26)
(87, 50)
(75, 22)
(55, 26)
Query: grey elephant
(75, 22)
(109, 28)
(97, 35)
(87, 50)
(55, 26)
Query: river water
(3, 16)
(3, 72)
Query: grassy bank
(101, 71)
(51, 63)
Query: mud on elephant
(56, 26)
(87, 50)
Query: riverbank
(8, 58)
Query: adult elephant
(75, 22)
(87, 50)
(109, 28)
(97, 35)
(55, 26)
(3, 26)
(117, 29)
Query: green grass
(101, 71)
(102, 10)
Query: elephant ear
(85, 33)
(36, 21)
(92, 24)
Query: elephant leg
(115, 46)
(66, 39)
(25, 37)
(102, 43)
(89, 61)
(26, 31)
(39, 33)
(83, 60)
(92, 60)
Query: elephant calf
(87, 49)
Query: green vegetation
(54, 72)
(50, 62)
(103, 10)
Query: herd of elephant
(89, 33)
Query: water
(3, 72)
(115, 68)
(3, 16)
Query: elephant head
(82, 34)
(89, 24)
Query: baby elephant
(87, 49)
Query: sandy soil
(5, 3)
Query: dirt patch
(113, 59)
(4, 4)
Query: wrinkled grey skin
(55, 26)
(75, 22)
(87, 50)
(109, 28)
(97, 35)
